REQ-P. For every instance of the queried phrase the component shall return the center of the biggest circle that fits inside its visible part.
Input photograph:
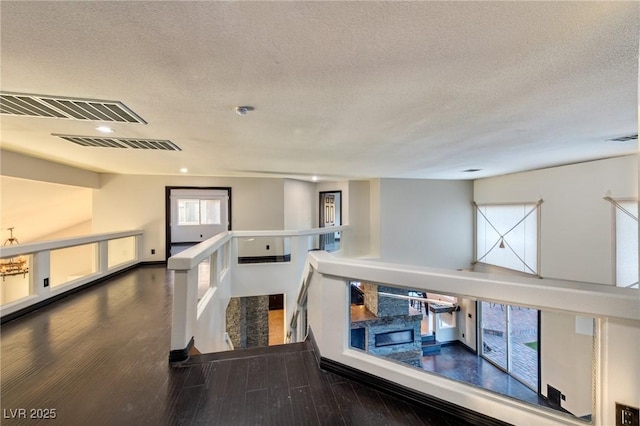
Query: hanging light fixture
(501, 242)
(13, 265)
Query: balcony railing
(316, 285)
(58, 266)
(199, 313)
(328, 311)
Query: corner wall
(576, 223)
(577, 244)
(426, 222)
(298, 204)
(41, 210)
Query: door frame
(321, 213)
(321, 210)
(507, 370)
(167, 211)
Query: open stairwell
(284, 384)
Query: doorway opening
(330, 215)
(256, 321)
(195, 214)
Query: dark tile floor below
(459, 363)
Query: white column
(40, 270)
(103, 257)
(185, 308)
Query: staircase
(430, 346)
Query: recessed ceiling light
(244, 110)
(105, 129)
(184, 170)
(314, 178)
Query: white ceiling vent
(163, 145)
(70, 108)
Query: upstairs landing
(283, 385)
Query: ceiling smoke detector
(244, 110)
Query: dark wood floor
(101, 357)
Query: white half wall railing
(328, 312)
(201, 320)
(317, 297)
(58, 266)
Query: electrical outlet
(268, 247)
(153, 251)
(463, 335)
(46, 282)
(627, 416)
(469, 315)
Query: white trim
(17, 249)
(580, 298)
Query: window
(198, 212)
(626, 228)
(507, 236)
(210, 212)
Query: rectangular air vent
(624, 138)
(69, 108)
(163, 145)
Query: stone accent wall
(390, 315)
(389, 307)
(410, 353)
(370, 297)
(248, 321)
(257, 321)
(384, 306)
(236, 322)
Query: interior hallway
(100, 357)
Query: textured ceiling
(340, 89)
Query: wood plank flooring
(100, 357)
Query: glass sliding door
(509, 339)
(523, 345)
(494, 334)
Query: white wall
(15, 287)
(82, 228)
(577, 244)
(358, 244)
(621, 359)
(426, 222)
(298, 204)
(466, 322)
(566, 360)
(21, 166)
(40, 210)
(374, 218)
(138, 202)
(576, 223)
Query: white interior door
(198, 214)
(330, 216)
